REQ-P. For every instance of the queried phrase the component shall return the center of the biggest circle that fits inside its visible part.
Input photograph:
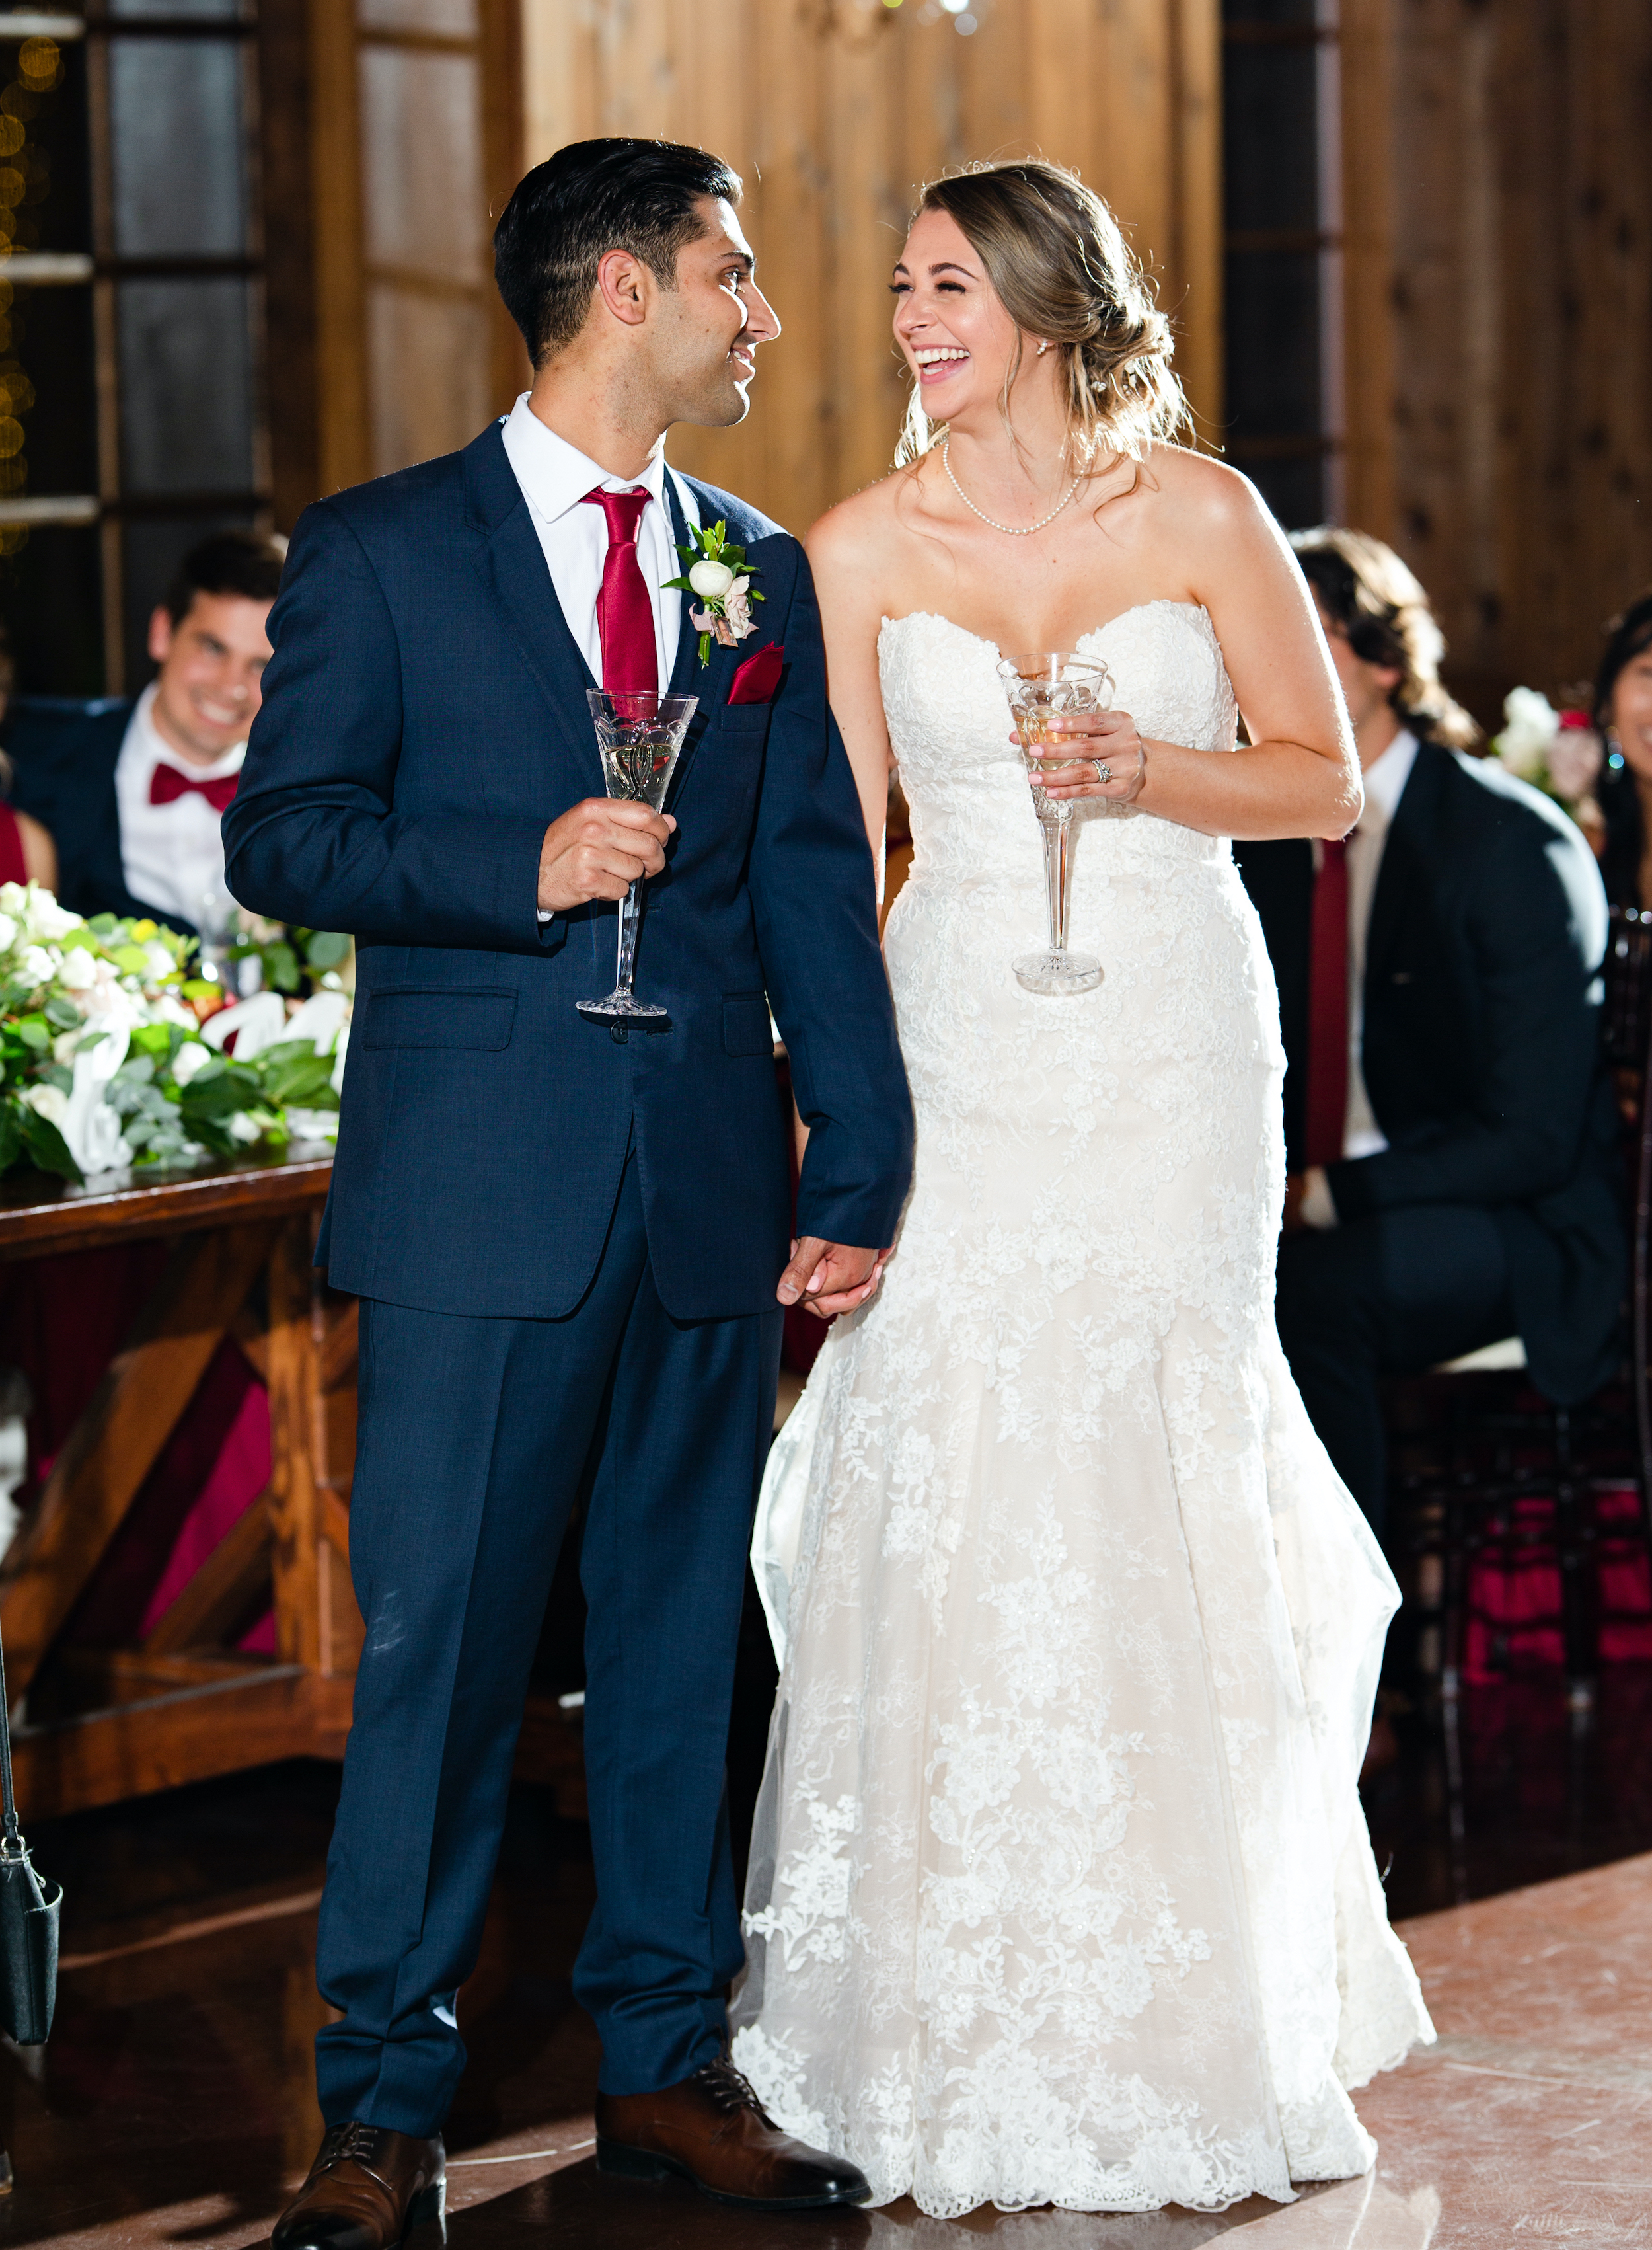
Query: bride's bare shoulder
(1203, 494)
(866, 524)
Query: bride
(1061, 1892)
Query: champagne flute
(638, 735)
(1041, 688)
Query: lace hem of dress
(1033, 2161)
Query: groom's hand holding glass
(598, 849)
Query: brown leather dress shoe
(712, 2130)
(368, 2188)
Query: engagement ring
(1103, 773)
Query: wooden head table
(182, 1705)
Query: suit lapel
(689, 676)
(1402, 853)
(510, 564)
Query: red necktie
(624, 614)
(167, 785)
(1327, 1106)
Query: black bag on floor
(29, 1906)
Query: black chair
(1485, 1469)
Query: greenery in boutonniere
(720, 574)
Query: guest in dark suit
(132, 793)
(1623, 714)
(1450, 1138)
(571, 1246)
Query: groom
(570, 1246)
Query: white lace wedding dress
(1061, 1890)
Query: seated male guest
(132, 793)
(1450, 1135)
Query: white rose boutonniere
(720, 574)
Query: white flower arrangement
(1558, 752)
(112, 1051)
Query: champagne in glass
(638, 735)
(1041, 688)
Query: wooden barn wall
(833, 110)
(1500, 194)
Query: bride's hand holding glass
(1090, 754)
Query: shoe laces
(731, 2090)
(353, 2144)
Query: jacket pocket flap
(439, 1016)
(745, 1026)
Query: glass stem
(1058, 873)
(629, 909)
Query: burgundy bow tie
(167, 783)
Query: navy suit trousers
(1392, 1294)
(476, 1435)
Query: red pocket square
(759, 676)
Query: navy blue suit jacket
(64, 753)
(424, 720)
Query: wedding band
(1103, 773)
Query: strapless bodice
(963, 775)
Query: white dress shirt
(171, 855)
(1385, 780)
(555, 479)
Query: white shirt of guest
(171, 855)
(1385, 779)
(555, 479)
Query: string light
(964, 16)
(23, 179)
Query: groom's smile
(717, 317)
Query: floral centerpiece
(1557, 751)
(115, 1051)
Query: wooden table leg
(117, 1440)
(294, 1516)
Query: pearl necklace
(1012, 530)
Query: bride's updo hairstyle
(1053, 251)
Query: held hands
(598, 849)
(829, 1277)
(1099, 742)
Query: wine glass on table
(1041, 688)
(638, 735)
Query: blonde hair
(1053, 252)
(1380, 604)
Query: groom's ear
(623, 286)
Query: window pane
(1272, 156)
(180, 181)
(428, 374)
(1273, 344)
(422, 162)
(52, 599)
(455, 17)
(186, 386)
(56, 209)
(225, 11)
(1292, 489)
(47, 334)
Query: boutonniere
(720, 574)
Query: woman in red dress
(27, 853)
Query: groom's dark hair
(591, 197)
